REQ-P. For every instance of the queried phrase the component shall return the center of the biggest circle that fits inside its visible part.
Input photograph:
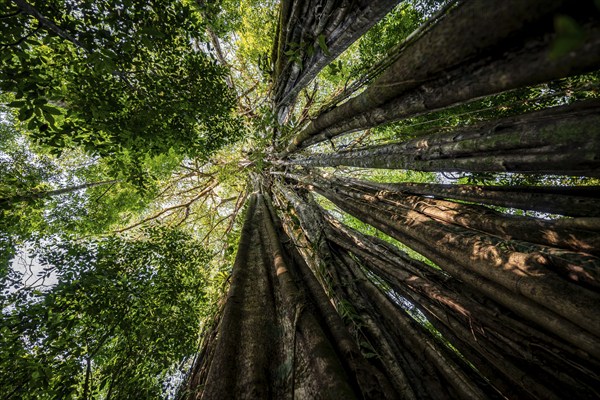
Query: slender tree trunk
(399, 366)
(417, 339)
(460, 250)
(201, 364)
(563, 140)
(88, 376)
(214, 40)
(332, 381)
(404, 372)
(240, 368)
(533, 230)
(574, 201)
(32, 196)
(484, 331)
(372, 383)
(463, 75)
(328, 34)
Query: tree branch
(46, 23)
(155, 216)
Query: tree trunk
(371, 381)
(270, 342)
(88, 377)
(432, 286)
(418, 339)
(563, 140)
(574, 201)
(533, 230)
(460, 250)
(330, 377)
(240, 367)
(32, 196)
(328, 34)
(317, 310)
(484, 331)
(400, 366)
(459, 76)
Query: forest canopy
(396, 182)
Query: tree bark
(460, 250)
(270, 343)
(574, 201)
(493, 61)
(534, 230)
(8, 201)
(365, 322)
(513, 309)
(312, 223)
(418, 339)
(371, 381)
(340, 23)
(563, 140)
(240, 367)
(333, 383)
(485, 332)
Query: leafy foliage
(120, 315)
(39, 193)
(120, 77)
(386, 34)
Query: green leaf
(32, 124)
(25, 114)
(322, 44)
(50, 120)
(51, 110)
(16, 103)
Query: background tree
(119, 78)
(120, 315)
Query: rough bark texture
(240, 368)
(273, 340)
(486, 333)
(338, 23)
(376, 307)
(529, 275)
(562, 233)
(329, 375)
(564, 140)
(574, 201)
(463, 75)
(527, 332)
(372, 379)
